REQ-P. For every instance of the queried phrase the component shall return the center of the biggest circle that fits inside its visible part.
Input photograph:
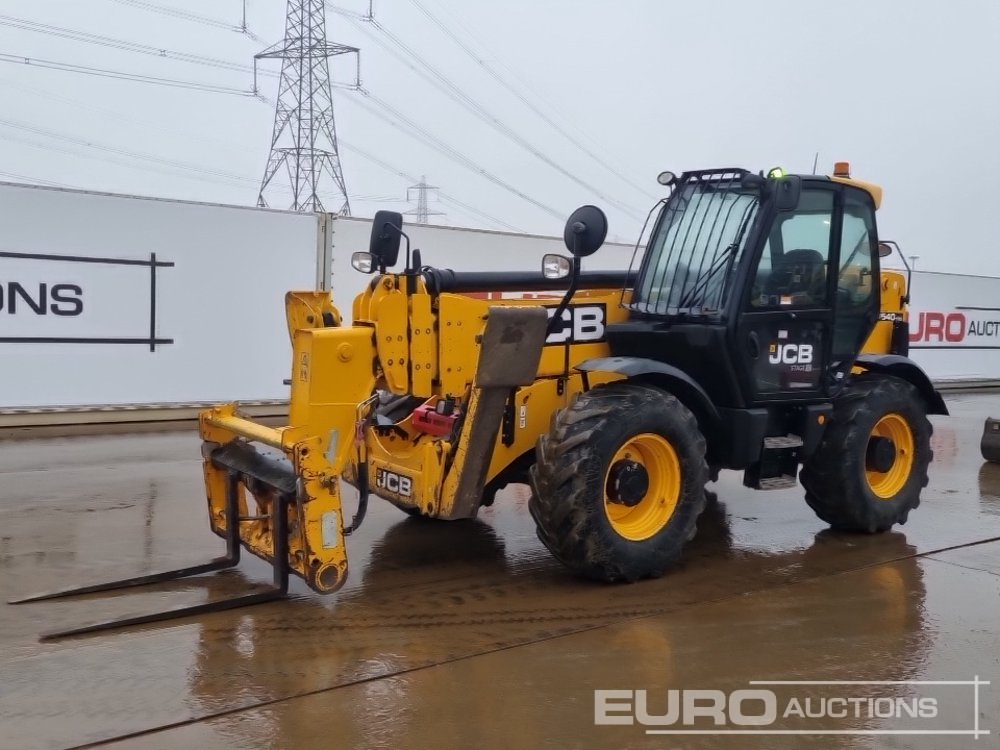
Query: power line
(134, 77)
(421, 134)
(228, 177)
(109, 159)
(469, 211)
(460, 206)
(126, 45)
(517, 92)
(527, 84)
(37, 180)
(38, 130)
(121, 75)
(188, 16)
(231, 179)
(113, 114)
(454, 92)
(173, 169)
(441, 194)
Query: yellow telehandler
(756, 332)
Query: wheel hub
(890, 456)
(628, 482)
(881, 454)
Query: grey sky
(904, 91)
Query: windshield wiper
(721, 262)
(725, 259)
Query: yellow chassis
(417, 344)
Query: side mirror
(364, 262)
(556, 266)
(585, 231)
(884, 250)
(666, 178)
(787, 190)
(386, 235)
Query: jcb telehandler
(757, 332)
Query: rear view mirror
(556, 266)
(387, 228)
(787, 190)
(364, 262)
(585, 231)
(884, 250)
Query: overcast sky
(907, 92)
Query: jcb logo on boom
(393, 482)
(581, 324)
(791, 354)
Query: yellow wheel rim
(888, 483)
(647, 506)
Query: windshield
(696, 245)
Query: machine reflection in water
(433, 594)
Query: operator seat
(801, 274)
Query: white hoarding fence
(120, 300)
(955, 326)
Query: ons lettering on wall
(42, 299)
(49, 299)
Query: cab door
(785, 329)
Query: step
(777, 483)
(781, 443)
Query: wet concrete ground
(467, 634)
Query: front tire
(871, 465)
(619, 482)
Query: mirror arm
(909, 277)
(405, 236)
(574, 282)
(411, 274)
(909, 271)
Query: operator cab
(760, 289)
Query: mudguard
(678, 382)
(907, 369)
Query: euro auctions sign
(962, 326)
(943, 708)
(955, 326)
(949, 311)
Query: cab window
(792, 271)
(854, 282)
(857, 301)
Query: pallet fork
(278, 591)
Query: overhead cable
(122, 75)
(518, 92)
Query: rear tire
(619, 482)
(840, 487)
